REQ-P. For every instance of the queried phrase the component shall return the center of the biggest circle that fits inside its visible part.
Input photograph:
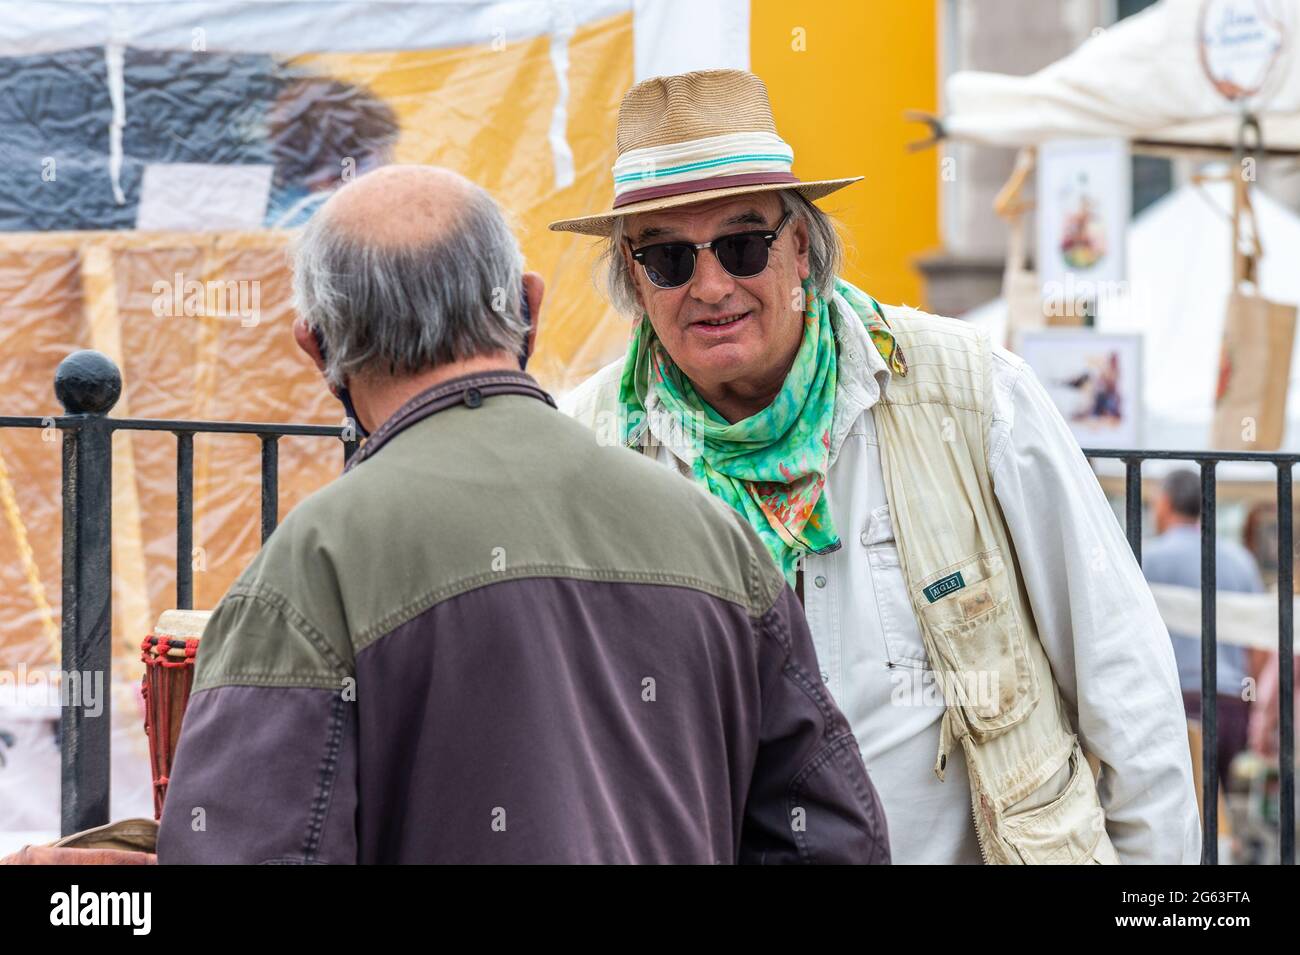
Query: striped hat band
(714, 162)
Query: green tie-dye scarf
(771, 467)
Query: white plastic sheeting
(287, 27)
(1141, 79)
(676, 36)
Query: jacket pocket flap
(983, 664)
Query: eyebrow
(748, 217)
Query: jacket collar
(862, 375)
(467, 390)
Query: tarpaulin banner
(162, 156)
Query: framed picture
(1084, 204)
(1095, 380)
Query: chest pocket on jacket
(972, 621)
(901, 632)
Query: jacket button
(473, 398)
(826, 677)
(820, 581)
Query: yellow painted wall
(839, 101)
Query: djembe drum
(168, 655)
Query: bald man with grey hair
(493, 639)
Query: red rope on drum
(168, 677)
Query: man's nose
(710, 283)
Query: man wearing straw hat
(977, 612)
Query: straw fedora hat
(694, 137)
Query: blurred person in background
(1174, 557)
(1260, 535)
(1265, 712)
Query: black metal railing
(1208, 460)
(88, 384)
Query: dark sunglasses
(742, 254)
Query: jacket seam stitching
(325, 782)
(267, 679)
(772, 625)
(429, 599)
(946, 401)
(818, 760)
(279, 601)
(288, 860)
(1005, 438)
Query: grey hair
(1183, 488)
(825, 253)
(402, 309)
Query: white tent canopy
(1179, 275)
(1141, 80)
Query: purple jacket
(494, 640)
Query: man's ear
(630, 264)
(534, 291)
(303, 336)
(801, 245)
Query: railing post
(1209, 670)
(270, 484)
(1285, 651)
(1133, 505)
(184, 520)
(87, 384)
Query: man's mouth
(721, 321)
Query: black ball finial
(87, 382)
